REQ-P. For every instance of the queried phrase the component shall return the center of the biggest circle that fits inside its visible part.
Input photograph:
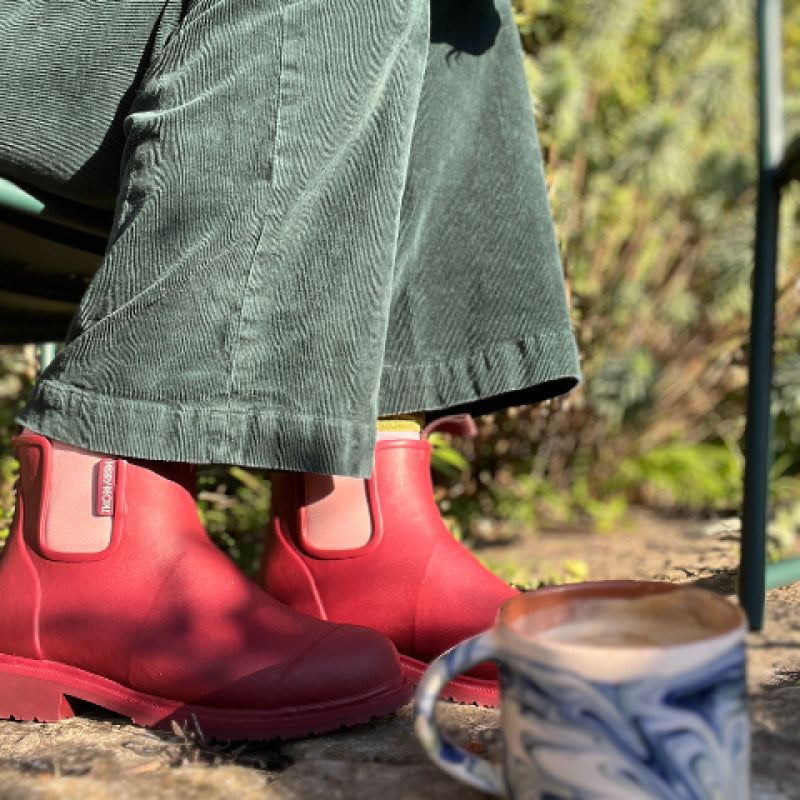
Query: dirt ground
(97, 755)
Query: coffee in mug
(652, 620)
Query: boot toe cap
(348, 662)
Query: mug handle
(456, 761)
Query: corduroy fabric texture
(326, 211)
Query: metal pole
(758, 458)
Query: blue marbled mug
(591, 709)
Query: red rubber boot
(411, 581)
(161, 626)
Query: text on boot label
(106, 481)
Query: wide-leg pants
(325, 211)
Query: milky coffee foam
(657, 620)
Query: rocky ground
(99, 756)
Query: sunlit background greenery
(647, 123)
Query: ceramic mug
(610, 691)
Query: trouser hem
(504, 374)
(204, 434)
(508, 373)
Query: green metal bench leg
(755, 576)
(752, 570)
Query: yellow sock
(401, 423)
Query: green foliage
(697, 477)
(544, 574)
(446, 458)
(234, 507)
(646, 112)
(16, 373)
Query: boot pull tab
(455, 425)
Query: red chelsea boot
(410, 579)
(159, 625)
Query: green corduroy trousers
(325, 211)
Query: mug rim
(617, 662)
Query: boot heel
(26, 698)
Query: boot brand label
(106, 482)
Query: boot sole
(41, 691)
(472, 691)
